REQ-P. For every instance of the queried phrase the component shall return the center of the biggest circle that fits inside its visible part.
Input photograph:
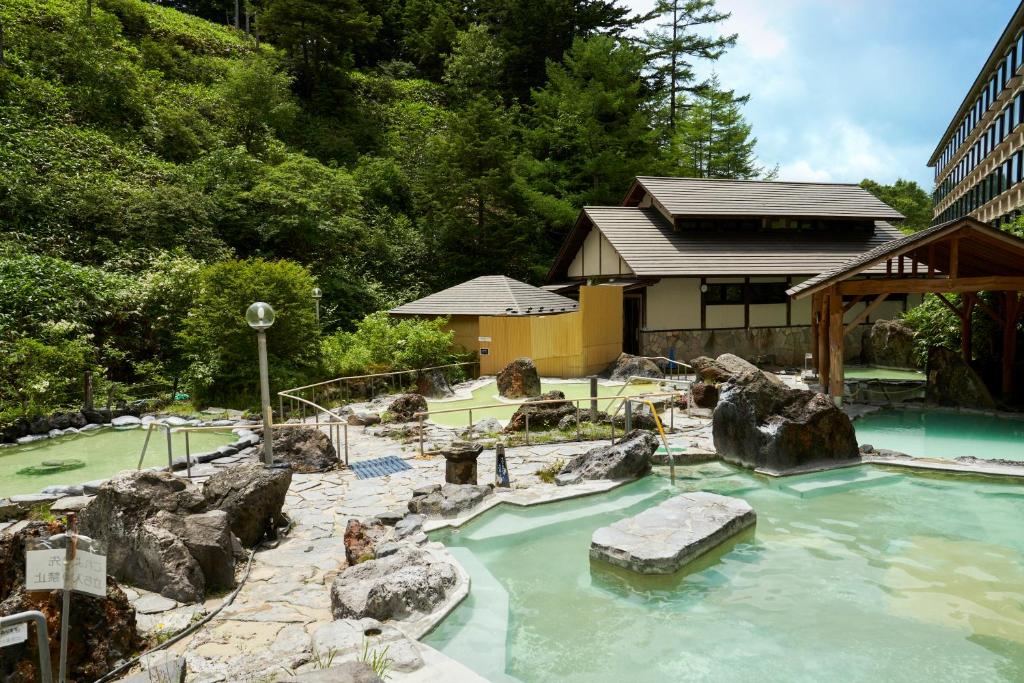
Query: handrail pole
(420, 418)
(579, 436)
(145, 444)
(345, 425)
(42, 639)
(170, 452)
(188, 458)
(527, 428)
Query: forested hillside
(383, 148)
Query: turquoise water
(105, 452)
(854, 575)
(488, 395)
(942, 435)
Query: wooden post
(966, 309)
(835, 342)
(815, 306)
(1010, 315)
(823, 360)
(954, 258)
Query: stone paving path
(267, 631)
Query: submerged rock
(519, 379)
(408, 582)
(628, 459)
(668, 536)
(761, 423)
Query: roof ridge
(749, 180)
(511, 294)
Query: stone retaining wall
(762, 345)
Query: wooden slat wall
(564, 345)
(467, 329)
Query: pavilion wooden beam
(835, 333)
(868, 310)
(980, 303)
(1011, 311)
(932, 285)
(815, 354)
(823, 340)
(853, 302)
(954, 257)
(956, 311)
(965, 326)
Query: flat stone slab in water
(669, 536)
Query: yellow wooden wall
(563, 345)
(467, 329)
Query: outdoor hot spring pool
(862, 574)
(939, 434)
(102, 452)
(487, 394)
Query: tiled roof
(713, 197)
(489, 295)
(648, 244)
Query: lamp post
(317, 294)
(260, 317)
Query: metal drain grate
(379, 467)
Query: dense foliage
(381, 343)
(907, 197)
(159, 170)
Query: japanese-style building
(705, 264)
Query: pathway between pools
(265, 634)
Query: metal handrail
(42, 639)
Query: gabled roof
(983, 251)
(651, 248)
(754, 198)
(489, 295)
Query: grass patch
(547, 474)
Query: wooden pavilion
(963, 256)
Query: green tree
(713, 140)
(260, 102)
(220, 346)
(474, 66)
(592, 126)
(907, 197)
(680, 40)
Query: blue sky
(846, 89)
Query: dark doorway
(632, 320)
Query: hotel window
(720, 294)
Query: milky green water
(869, 372)
(855, 575)
(488, 394)
(105, 452)
(942, 435)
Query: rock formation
(627, 459)
(407, 582)
(952, 382)
(449, 500)
(542, 415)
(519, 379)
(888, 343)
(626, 366)
(305, 450)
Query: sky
(842, 90)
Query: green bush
(221, 347)
(381, 343)
(935, 325)
(41, 377)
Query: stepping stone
(70, 504)
(665, 538)
(154, 603)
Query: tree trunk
(672, 75)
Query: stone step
(837, 482)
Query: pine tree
(676, 45)
(713, 140)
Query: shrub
(381, 343)
(221, 347)
(40, 377)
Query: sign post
(67, 562)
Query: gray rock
(519, 379)
(70, 504)
(207, 536)
(91, 488)
(226, 450)
(952, 382)
(54, 433)
(541, 415)
(160, 667)
(390, 518)
(409, 525)
(92, 426)
(405, 407)
(30, 499)
(663, 539)
(63, 490)
(433, 384)
(305, 450)
(449, 500)
(126, 421)
(153, 603)
(252, 495)
(363, 419)
(760, 424)
(627, 459)
(385, 549)
(889, 343)
(626, 366)
(488, 425)
(346, 672)
(174, 421)
(398, 586)
(31, 438)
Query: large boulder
(252, 495)
(759, 423)
(103, 629)
(405, 407)
(208, 538)
(305, 450)
(952, 382)
(519, 379)
(705, 394)
(542, 415)
(408, 582)
(889, 343)
(433, 384)
(628, 459)
(361, 539)
(626, 366)
(449, 500)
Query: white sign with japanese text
(12, 635)
(44, 570)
